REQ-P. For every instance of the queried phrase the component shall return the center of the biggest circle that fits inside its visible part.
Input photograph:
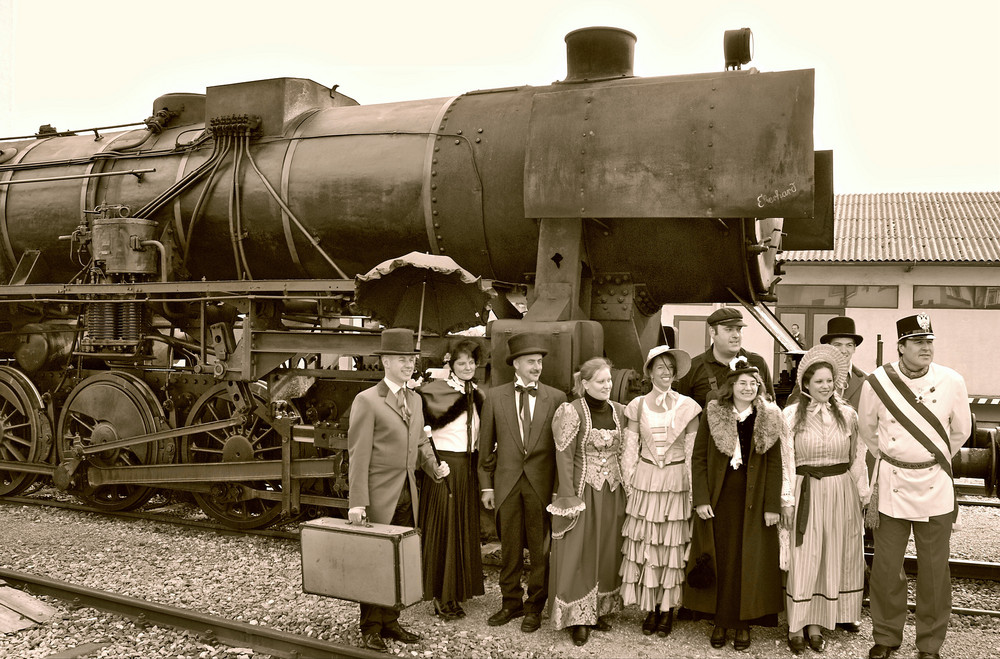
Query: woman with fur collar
(449, 510)
(733, 572)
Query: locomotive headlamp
(738, 47)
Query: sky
(907, 91)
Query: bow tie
(531, 391)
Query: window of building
(792, 295)
(956, 297)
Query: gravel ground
(258, 580)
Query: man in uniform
(517, 470)
(841, 335)
(709, 369)
(385, 444)
(914, 416)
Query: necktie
(403, 407)
(526, 410)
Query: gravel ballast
(257, 580)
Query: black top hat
(527, 343)
(726, 316)
(914, 326)
(841, 326)
(397, 341)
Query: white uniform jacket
(916, 494)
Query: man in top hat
(385, 444)
(517, 470)
(914, 416)
(840, 334)
(709, 369)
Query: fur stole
(768, 427)
(442, 404)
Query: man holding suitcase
(385, 444)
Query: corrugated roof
(912, 226)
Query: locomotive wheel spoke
(104, 408)
(25, 432)
(253, 441)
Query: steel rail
(960, 568)
(229, 632)
(957, 610)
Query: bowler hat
(397, 341)
(726, 316)
(682, 360)
(841, 326)
(526, 343)
(914, 326)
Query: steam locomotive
(176, 308)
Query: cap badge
(924, 321)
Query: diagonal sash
(909, 424)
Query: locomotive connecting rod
(170, 433)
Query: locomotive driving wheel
(25, 431)
(253, 440)
(108, 407)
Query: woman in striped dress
(656, 463)
(826, 566)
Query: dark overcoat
(502, 455)
(760, 587)
(384, 451)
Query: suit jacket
(384, 451)
(852, 394)
(502, 458)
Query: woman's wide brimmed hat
(397, 341)
(682, 360)
(824, 353)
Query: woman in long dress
(733, 572)
(449, 509)
(589, 509)
(826, 567)
(657, 532)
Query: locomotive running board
(213, 472)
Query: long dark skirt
(728, 525)
(452, 562)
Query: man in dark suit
(385, 444)
(840, 333)
(517, 472)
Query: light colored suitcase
(372, 563)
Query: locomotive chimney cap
(599, 53)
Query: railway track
(228, 632)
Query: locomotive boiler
(176, 302)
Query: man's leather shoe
(603, 625)
(718, 637)
(797, 644)
(817, 642)
(851, 627)
(928, 655)
(649, 624)
(580, 634)
(742, 640)
(373, 641)
(505, 615)
(880, 651)
(397, 633)
(531, 622)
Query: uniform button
(934, 400)
(892, 421)
(605, 472)
(894, 471)
(932, 487)
(895, 490)
(604, 460)
(892, 439)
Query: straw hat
(682, 359)
(824, 352)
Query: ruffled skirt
(657, 537)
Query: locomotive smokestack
(598, 53)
